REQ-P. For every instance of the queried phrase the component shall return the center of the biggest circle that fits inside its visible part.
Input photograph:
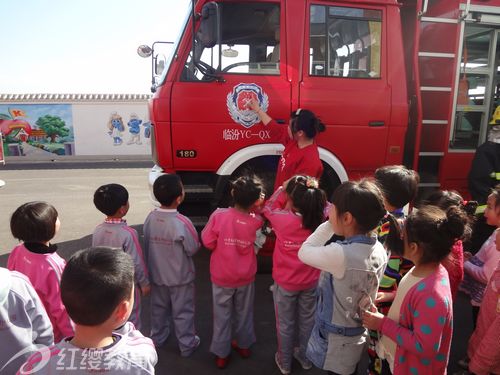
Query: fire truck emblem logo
(237, 101)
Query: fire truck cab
(408, 81)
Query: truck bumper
(155, 172)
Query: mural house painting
(37, 128)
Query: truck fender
(250, 152)
(269, 149)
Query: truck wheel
(329, 181)
(263, 167)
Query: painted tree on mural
(53, 126)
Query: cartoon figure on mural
(115, 126)
(134, 128)
(147, 129)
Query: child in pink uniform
(97, 289)
(416, 334)
(484, 346)
(479, 268)
(230, 235)
(112, 200)
(295, 291)
(36, 223)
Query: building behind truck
(408, 81)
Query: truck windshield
(172, 50)
(250, 42)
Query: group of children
(347, 273)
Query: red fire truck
(395, 81)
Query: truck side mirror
(208, 32)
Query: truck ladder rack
(434, 89)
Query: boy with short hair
(170, 241)
(24, 323)
(112, 201)
(399, 187)
(97, 288)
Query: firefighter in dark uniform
(483, 176)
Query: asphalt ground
(72, 189)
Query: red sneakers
(221, 362)
(243, 352)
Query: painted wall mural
(37, 129)
(95, 128)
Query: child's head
(430, 232)
(492, 211)
(308, 199)
(168, 190)
(445, 199)
(398, 184)
(96, 285)
(34, 222)
(246, 191)
(307, 122)
(111, 200)
(362, 200)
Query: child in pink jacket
(295, 291)
(230, 235)
(479, 268)
(484, 346)
(36, 223)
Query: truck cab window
(477, 97)
(250, 35)
(344, 42)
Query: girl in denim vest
(351, 273)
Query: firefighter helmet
(495, 119)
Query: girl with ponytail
(454, 262)
(416, 334)
(295, 283)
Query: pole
(2, 158)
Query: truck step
(197, 189)
(196, 193)
(199, 221)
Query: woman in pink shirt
(36, 223)
(417, 332)
(230, 235)
(294, 293)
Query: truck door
(209, 117)
(345, 82)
